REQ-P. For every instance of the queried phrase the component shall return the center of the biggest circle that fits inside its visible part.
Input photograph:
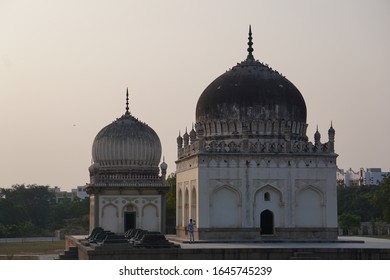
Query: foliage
(171, 203)
(32, 211)
(363, 204)
(350, 222)
(382, 199)
(359, 201)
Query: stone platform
(345, 248)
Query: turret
(179, 141)
(331, 134)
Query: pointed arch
(274, 204)
(309, 208)
(180, 208)
(194, 204)
(109, 217)
(186, 206)
(225, 206)
(267, 222)
(150, 217)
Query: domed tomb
(126, 190)
(251, 94)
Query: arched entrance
(130, 220)
(267, 222)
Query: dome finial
(250, 49)
(127, 102)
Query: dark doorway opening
(129, 220)
(267, 222)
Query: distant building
(81, 192)
(368, 177)
(374, 176)
(61, 196)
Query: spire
(250, 49)
(317, 136)
(331, 129)
(127, 102)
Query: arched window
(267, 196)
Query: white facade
(247, 170)
(116, 212)
(233, 196)
(126, 191)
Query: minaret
(331, 134)
(186, 138)
(179, 141)
(192, 135)
(317, 138)
(164, 167)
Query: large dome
(251, 91)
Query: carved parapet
(188, 150)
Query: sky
(65, 66)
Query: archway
(267, 222)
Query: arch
(254, 127)
(268, 127)
(309, 207)
(276, 127)
(186, 206)
(130, 207)
(150, 217)
(180, 208)
(266, 222)
(225, 207)
(261, 127)
(232, 127)
(109, 217)
(194, 205)
(275, 205)
(225, 129)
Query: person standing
(191, 230)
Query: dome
(127, 142)
(251, 91)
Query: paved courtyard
(343, 242)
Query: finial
(250, 49)
(127, 101)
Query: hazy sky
(65, 66)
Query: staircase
(70, 254)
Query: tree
(382, 199)
(171, 204)
(349, 222)
(32, 210)
(29, 203)
(358, 201)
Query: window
(267, 196)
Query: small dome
(127, 142)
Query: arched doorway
(130, 220)
(267, 222)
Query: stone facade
(126, 190)
(247, 170)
